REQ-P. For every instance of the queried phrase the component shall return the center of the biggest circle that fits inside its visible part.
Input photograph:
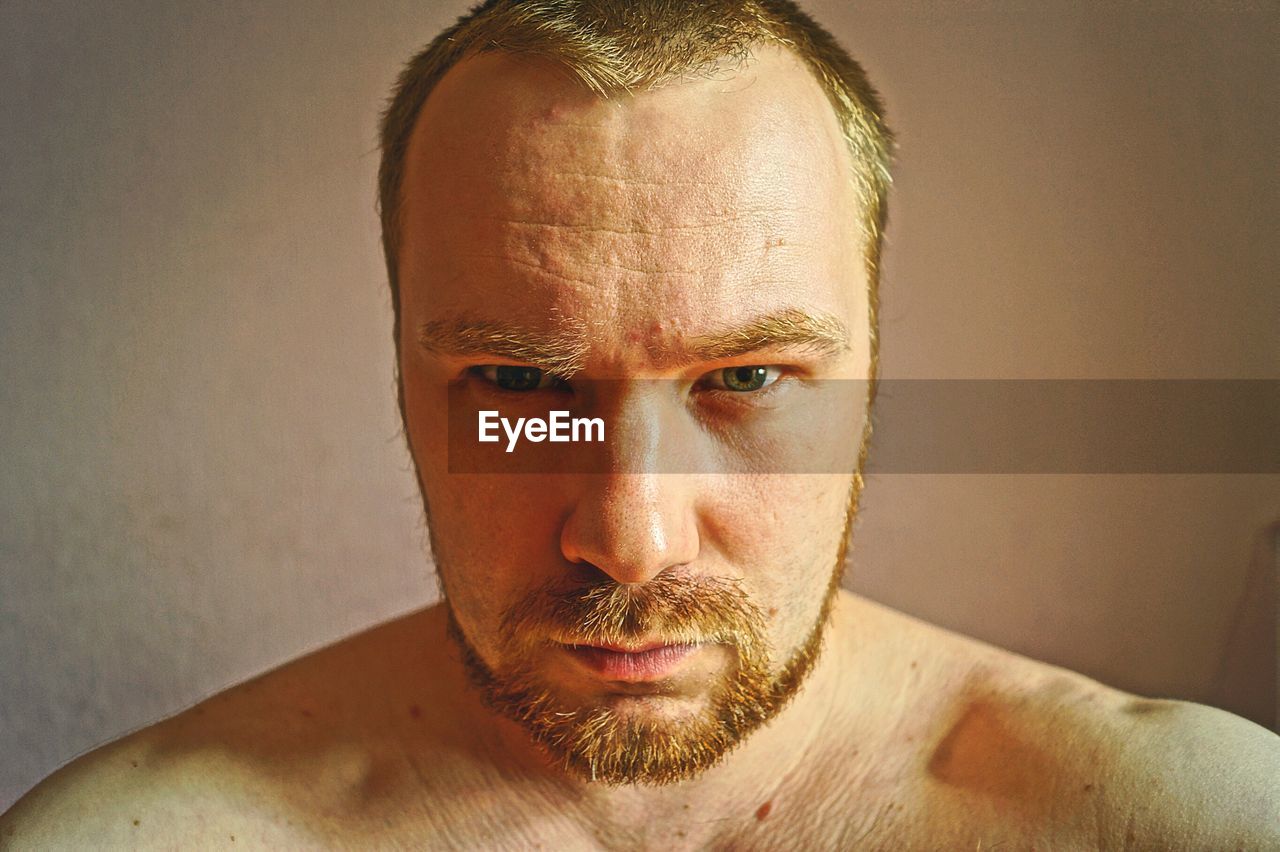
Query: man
(666, 217)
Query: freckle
(763, 811)
(686, 806)
(773, 610)
(137, 822)
(1088, 788)
(134, 764)
(306, 713)
(415, 711)
(913, 664)
(233, 838)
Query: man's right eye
(516, 379)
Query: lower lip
(634, 666)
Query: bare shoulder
(1193, 775)
(253, 764)
(1034, 751)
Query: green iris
(518, 378)
(745, 378)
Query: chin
(656, 709)
(654, 733)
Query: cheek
(781, 534)
(496, 538)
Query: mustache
(671, 608)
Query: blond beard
(596, 742)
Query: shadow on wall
(1253, 648)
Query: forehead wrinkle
(629, 179)
(749, 244)
(638, 226)
(560, 351)
(587, 264)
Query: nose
(631, 521)
(631, 526)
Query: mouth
(633, 664)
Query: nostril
(629, 528)
(587, 573)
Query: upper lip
(636, 648)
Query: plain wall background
(201, 473)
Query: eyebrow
(816, 332)
(563, 350)
(560, 352)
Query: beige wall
(200, 471)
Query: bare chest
(491, 813)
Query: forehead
(523, 189)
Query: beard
(597, 742)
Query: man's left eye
(743, 379)
(516, 378)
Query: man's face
(645, 611)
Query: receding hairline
(496, 124)
(502, 70)
(626, 45)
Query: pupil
(745, 378)
(518, 378)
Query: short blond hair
(619, 46)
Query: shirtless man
(670, 221)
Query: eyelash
(778, 375)
(481, 371)
(774, 371)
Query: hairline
(393, 172)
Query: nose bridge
(630, 520)
(637, 424)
